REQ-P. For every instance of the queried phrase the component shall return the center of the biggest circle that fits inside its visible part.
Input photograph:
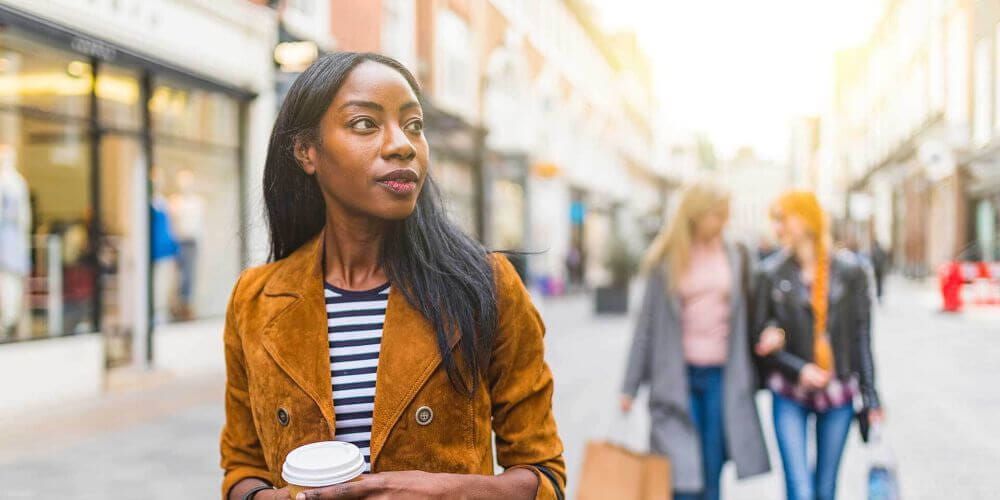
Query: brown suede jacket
(279, 396)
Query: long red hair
(805, 206)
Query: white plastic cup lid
(325, 463)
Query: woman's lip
(400, 175)
(398, 187)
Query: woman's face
(710, 225)
(371, 156)
(789, 229)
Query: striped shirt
(354, 330)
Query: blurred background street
(133, 135)
(160, 441)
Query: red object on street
(950, 279)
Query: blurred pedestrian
(378, 322)
(821, 304)
(691, 346)
(880, 265)
(765, 248)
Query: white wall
(46, 371)
(190, 348)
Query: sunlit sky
(739, 70)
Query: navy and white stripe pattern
(354, 328)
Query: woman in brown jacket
(378, 321)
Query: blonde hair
(671, 249)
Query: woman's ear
(305, 154)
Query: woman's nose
(397, 144)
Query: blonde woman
(692, 347)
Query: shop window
(42, 79)
(48, 260)
(194, 212)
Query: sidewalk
(160, 440)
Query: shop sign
(577, 211)
(546, 170)
(938, 160)
(295, 57)
(94, 48)
(860, 206)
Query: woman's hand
(771, 339)
(415, 485)
(282, 494)
(813, 377)
(876, 416)
(625, 403)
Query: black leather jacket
(782, 300)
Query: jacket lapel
(408, 357)
(296, 335)
(736, 276)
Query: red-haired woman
(821, 303)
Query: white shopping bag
(883, 480)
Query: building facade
(915, 132)
(125, 153)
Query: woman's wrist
(514, 484)
(241, 489)
(263, 492)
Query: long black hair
(441, 271)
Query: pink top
(704, 294)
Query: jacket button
(425, 415)
(282, 416)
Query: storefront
(457, 156)
(508, 211)
(122, 180)
(984, 209)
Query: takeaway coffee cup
(325, 463)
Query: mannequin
(15, 240)
(187, 213)
(163, 250)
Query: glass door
(123, 252)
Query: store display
(15, 237)
(187, 211)
(164, 252)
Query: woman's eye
(415, 127)
(363, 124)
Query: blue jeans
(187, 255)
(832, 427)
(705, 384)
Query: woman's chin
(397, 213)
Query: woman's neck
(708, 241)
(805, 255)
(352, 251)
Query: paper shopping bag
(611, 471)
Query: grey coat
(657, 359)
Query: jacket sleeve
(763, 316)
(637, 369)
(521, 386)
(239, 446)
(862, 294)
